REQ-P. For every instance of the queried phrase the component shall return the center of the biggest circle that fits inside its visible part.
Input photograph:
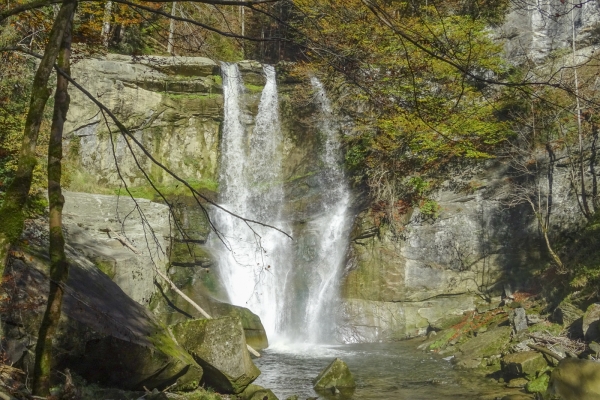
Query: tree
(413, 76)
(59, 266)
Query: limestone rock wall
(404, 283)
(172, 106)
(533, 30)
(397, 283)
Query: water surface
(382, 371)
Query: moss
(539, 384)
(443, 339)
(106, 267)
(163, 342)
(147, 192)
(186, 96)
(336, 375)
(254, 88)
(554, 329)
(201, 394)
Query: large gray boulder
(103, 335)
(119, 363)
(219, 346)
(336, 375)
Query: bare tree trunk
(59, 267)
(170, 45)
(11, 213)
(106, 23)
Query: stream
(381, 370)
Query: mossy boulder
(219, 346)
(485, 345)
(265, 394)
(591, 322)
(132, 366)
(570, 317)
(525, 364)
(256, 392)
(336, 375)
(255, 333)
(576, 379)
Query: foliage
(415, 114)
(15, 90)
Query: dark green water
(382, 371)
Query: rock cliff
(397, 283)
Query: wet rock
(518, 318)
(591, 322)
(249, 391)
(576, 379)
(523, 364)
(219, 346)
(336, 375)
(293, 397)
(264, 394)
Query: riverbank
(519, 343)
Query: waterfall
(260, 267)
(331, 226)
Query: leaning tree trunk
(11, 213)
(59, 267)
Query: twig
(544, 351)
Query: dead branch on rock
(568, 345)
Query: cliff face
(533, 30)
(401, 284)
(397, 283)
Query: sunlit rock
(336, 375)
(219, 346)
(576, 379)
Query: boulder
(576, 379)
(485, 345)
(591, 322)
(219, 346)
(569, 316)
(103, 335)
(132, 366)
(336, 375)
(525, 364)
(256, 392)
(518, 318)
(264, 394)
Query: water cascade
(260, 267)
